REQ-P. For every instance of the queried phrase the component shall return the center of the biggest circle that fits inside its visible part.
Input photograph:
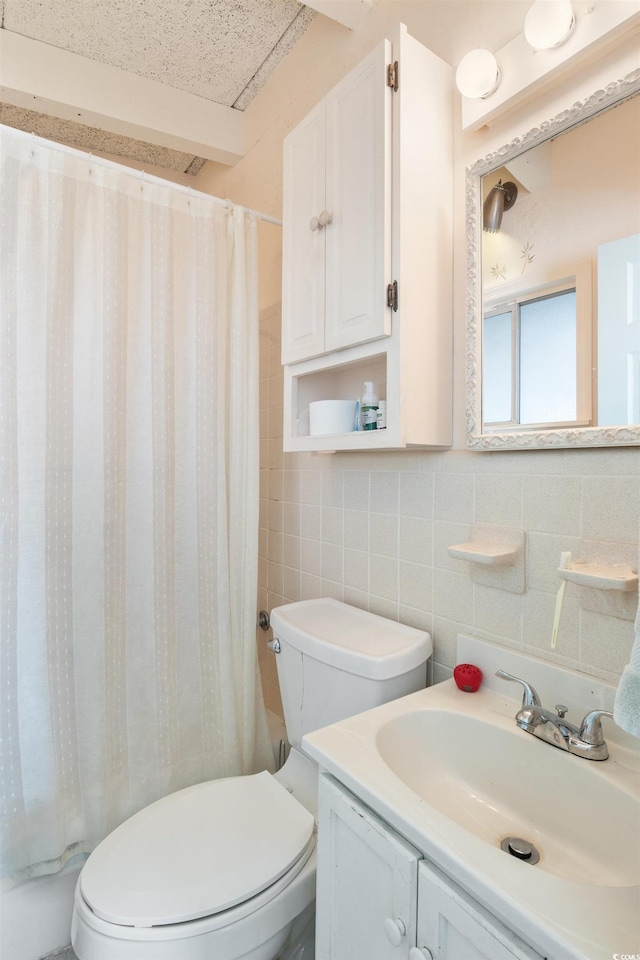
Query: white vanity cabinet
(379, 899)
(367, 251)
(367, 882)
(452, 926)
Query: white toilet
(225, 870)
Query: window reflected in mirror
(529, 351)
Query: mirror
(553, 297)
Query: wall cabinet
(367, 250)
(379, 899)
(337, 240)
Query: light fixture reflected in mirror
(478, 74)
(500, 198)
(548, 23)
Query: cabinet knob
(420, 953)
(395, 931)
(317, 223)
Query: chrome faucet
(586, 741)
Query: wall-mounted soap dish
(617, 576)
(606, 574)
(488, 554)
(496, 556)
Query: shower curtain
(129, 497)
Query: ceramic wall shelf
(617, 576)
(605, 576)
(488, 554)
(496, 556)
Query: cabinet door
(367, 883)
(358, 240)
(451, 926)
(303, 249)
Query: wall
(373, 530)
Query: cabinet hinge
(393, 76)
(392, 296)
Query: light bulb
(478, 74)
(548, 23)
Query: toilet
(225, 870)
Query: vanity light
(500, 198)
(478, 74)
(548, 23)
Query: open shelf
(337, 377)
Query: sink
(495, 780)
(454, 776)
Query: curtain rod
(149, 177)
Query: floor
(66, 954)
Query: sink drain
(521, 849)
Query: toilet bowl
(132, 908)
(225, 870)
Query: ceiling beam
(350, 13)
(40, 77)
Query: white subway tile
(416, 540)
(552, 504)
(384, 577)
(383, 534)
(454, 497)
(611, 508)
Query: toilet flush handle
(274, 645)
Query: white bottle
(369, 406)
(381, 417)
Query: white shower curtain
(129, 497)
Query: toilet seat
(198, 852)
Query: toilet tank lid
(351, 639)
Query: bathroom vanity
(416, 797)
(380, 881)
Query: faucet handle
(591, 727)
(530, 697)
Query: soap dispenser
(369, 406)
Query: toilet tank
(336, 660)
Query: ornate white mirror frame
(578, 113)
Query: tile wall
(373, 530)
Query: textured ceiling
(220, 50)
(98, 141)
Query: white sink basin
(453, 774)
(497, 782)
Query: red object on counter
(467, 677)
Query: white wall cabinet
(337, 238)
(379, 899)
(368, 209)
